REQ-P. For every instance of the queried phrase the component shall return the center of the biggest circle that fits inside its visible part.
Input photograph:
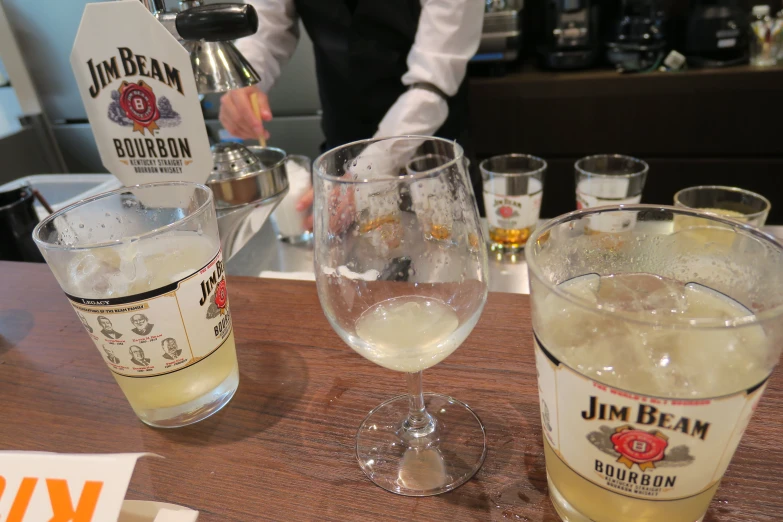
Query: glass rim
(46, 245)
(22, 188)
(539, 170)
(767, 203)
(581, 170)
(318, 171)
(700, 323)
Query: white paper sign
(142, 511)
(138, 88)
(45, 487)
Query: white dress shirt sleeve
(448, 36)
(271, 47)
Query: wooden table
(283, 448)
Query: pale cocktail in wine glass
(401, 269)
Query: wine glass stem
(419, 423)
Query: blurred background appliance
(716, 33)
(637, 36)
(570, 38)
(501, 38)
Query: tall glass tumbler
(513, 186)
(609, 179)
(143, 270)
(653, 348)
(401, 270)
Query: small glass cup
(143, 270)
(288, 222)
(609, 179)
(730, 202)
(513, 186)
(652, 353)
(17, 221)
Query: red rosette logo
(140, 105)
(643, 448)
(221, 296)
(506, 212)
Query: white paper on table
(142, 511)
(41, 487)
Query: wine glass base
(423, 464)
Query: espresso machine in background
(716, 33)
(501, 37)
(569, 35)
(636, 40)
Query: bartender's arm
(268, 50)
(447, 37)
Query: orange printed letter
(62, 508)
(19, 507)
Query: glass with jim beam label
(649, 369)
(154, 303)
(513, 187)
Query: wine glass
(401, 270)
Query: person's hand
(342, 207)
(304, 203)
(380, 160)
(237, 116)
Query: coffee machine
(637, 36)
(569, 38)
(716, 34)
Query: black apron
(361, 48)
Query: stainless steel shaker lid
(241, 175)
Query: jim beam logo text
(507, 208)
(636, 450)
(213, 291)
(134, 105)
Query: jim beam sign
(138, 88)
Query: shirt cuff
(416, 112)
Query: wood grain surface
(283, 448)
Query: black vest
(361, 48)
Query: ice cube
(584, 287)
(642, 293)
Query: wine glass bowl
(401, 271)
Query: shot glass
(143, 270)
(513, 187)
(609, 179)
(730, 202)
